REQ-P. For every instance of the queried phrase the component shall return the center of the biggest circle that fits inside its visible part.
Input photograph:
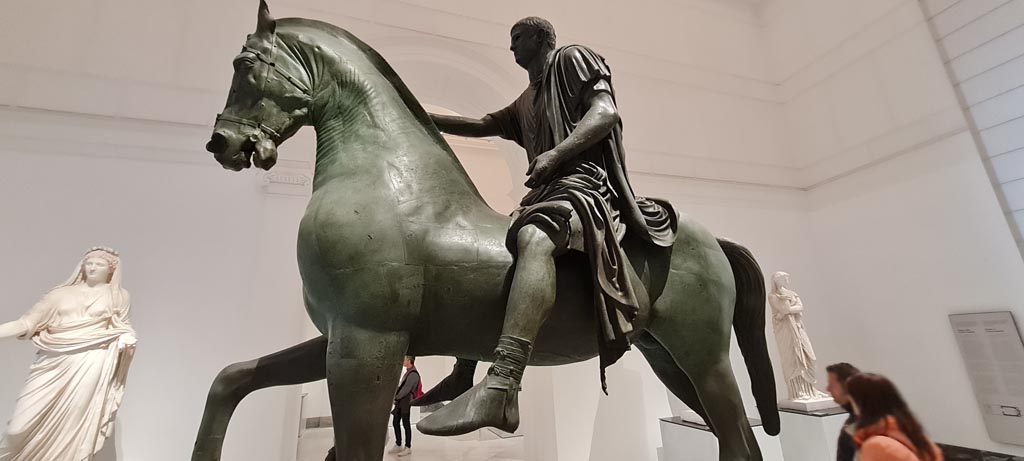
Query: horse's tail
(749, 323)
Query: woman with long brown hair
(886, 430)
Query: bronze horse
(400, 255)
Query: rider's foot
(455, 384)
(492, 403)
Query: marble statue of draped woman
(794, 344)
(67, 408)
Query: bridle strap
(270, 62)
(241, 121)
(258, 124)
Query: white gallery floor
(482, 445)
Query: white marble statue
(794, 344)
(66, 410)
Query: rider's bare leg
(494, 402)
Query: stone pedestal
(811, 435)
(685, 440)
(822, 404)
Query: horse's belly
(463, 310)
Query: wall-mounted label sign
(994, 356)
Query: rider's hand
(541, 169)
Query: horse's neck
(373, 135)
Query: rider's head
(532, 37)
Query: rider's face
(526, 45)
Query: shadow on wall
(110, 449)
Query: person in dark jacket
(403, 407)
(838, 374)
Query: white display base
(811, 436)
(692, 441)
(691, 416)
(805, 406)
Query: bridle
(258, 124)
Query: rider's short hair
(541, 25)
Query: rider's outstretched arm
(465, 126)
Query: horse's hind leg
(452, 386)
(363, 369)
(299, 364)
(700, 346)
(673, 377)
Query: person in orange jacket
(886, 429)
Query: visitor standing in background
(838, 374)
(407, 390)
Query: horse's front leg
(299, 364)
(363, 370)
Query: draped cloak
(68, 405)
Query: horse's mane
(378, 62)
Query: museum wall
(171, 62)
(926, 239)
(904, 223)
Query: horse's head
(269, 101)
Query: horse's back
(699, 291)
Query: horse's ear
(265, 23)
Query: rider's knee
(533, 239)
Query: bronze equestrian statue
(399, 255)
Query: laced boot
(494, 402)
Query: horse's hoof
(492, 403)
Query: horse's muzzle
(231, 151)
(218, 144)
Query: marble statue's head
(531, 38)
(99, 265)
(266, 105)
(780, 280)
